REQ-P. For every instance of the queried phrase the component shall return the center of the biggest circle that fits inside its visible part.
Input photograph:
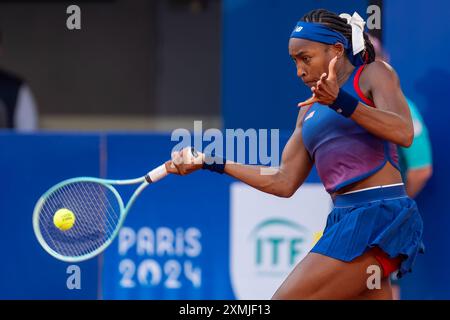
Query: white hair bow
(357, 24)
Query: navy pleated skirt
(385, 217)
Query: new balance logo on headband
(298, 29)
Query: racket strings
(97, 214)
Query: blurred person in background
(18, 108)
(415, 161)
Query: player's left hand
(326, 89)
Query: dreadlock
(333, 21)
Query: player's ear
(338, 49)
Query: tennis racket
(98, 209)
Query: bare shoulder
(378, 71)
(301, 114)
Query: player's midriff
(386, 176)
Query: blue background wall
(417, 37)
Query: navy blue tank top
(343, 151)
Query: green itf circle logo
(278, 245)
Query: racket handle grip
(156, 174)
(161, 171)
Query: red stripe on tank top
(358, 89)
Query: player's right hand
(185, 161)
(326, 89)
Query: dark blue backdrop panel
(418, 40)
(260, 88)
(192, 209)
(30, 164)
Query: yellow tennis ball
(64, 219)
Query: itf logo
(270, 235)
(278, 243)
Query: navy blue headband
(318, 32)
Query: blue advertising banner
(201, 236)
(176, 240)
(174, 243)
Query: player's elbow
(426, 173)
(421, 175)
(281, 185)
(406, 137)
(409, 137)
(286, 191)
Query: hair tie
(357, 23)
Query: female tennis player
(348, 128)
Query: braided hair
(333, 21)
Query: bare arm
(283, 181)
(391, 119)
(294, 168)
(416, 180)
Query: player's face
(311, 59)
